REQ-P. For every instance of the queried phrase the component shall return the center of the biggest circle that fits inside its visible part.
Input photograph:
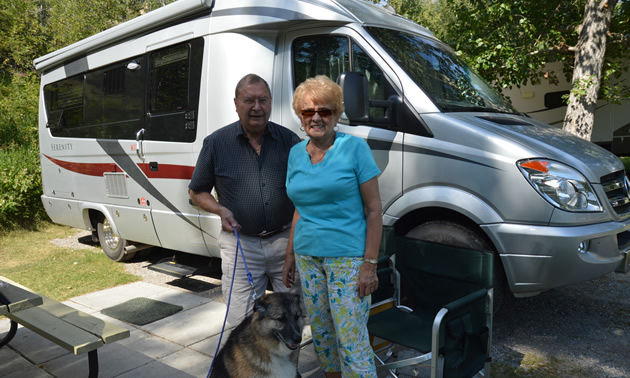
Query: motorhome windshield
(441, 74)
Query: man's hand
(207, 202)
(228, 223)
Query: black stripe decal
(120, 157)
(424, 151)
(383, 145)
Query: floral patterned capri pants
(338, 316)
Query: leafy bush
(18, 111)
(20, 188)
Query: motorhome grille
(116, 185)
(616, 188)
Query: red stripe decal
(165, 171)
(168, 171)
(90, 169)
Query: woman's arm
(288, 269)
(368, 281)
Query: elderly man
(246, 162)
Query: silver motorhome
(123, 115)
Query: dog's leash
(250, 280)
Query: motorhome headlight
(560, 185)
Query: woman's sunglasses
(322, 112)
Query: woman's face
(318, 119)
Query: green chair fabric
(442, 279)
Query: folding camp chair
(448, 320)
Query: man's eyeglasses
(250, 101)
(322, 112)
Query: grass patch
(535, 366)
(29, 258)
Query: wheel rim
(111, 239)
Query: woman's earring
(336, 128)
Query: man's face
(253, 106)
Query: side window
(112, 102)
(174, 82)
(104, 103)
(115, 100)
(170, 76)
(64, 103)
(320, 55)
(331, 55)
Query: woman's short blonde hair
(319, 89)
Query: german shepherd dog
(266, 342)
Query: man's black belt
(266, 234)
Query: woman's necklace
(321, 152)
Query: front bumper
(539, 258)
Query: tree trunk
(589, 60)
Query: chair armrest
(466, 300)
(438, 321)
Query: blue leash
(251, 283)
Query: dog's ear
(259, 306)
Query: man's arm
(207, 202)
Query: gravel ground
(578, 331)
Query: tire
(455, 234)
(112, 244)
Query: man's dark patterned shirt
(250, 186)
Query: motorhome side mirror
(355, 96)
(394, 110)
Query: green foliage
(20, 188)
(18, 112)
(30, 29)
(63, 27)
(581, 86)
(509, 42)
(436, 15)
(20, 36)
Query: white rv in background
(544, 102)
(123, 115)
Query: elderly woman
(336, 230)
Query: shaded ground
(579, 331)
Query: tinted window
(441, 74)
(554, 99)
(115, 100)
(331, 55)
(64, 102)
(175, 80)
(111, 102)
(169, 79)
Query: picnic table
(69, 328)
(13, 299)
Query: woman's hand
(288, 270)
(368, 280)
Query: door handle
(139, 140)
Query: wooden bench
(70, 328)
